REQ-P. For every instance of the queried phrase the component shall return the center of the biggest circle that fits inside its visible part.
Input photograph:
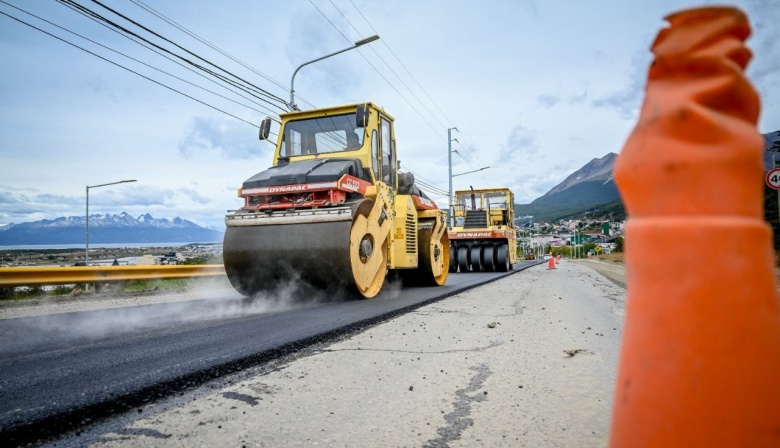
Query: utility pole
(451, 210)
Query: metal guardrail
(39, 276)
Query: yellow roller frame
(369, 270)
(440, 243)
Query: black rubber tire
(463, 258)
(475, 258)
(502, 258)
(453, 258)
(489, 258)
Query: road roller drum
(333, 212)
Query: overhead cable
(249, 88)
(265, 110)
(128, 69)
(402, 64)
(190, 33)
(378, 72)
(186, 50)
(389, 67)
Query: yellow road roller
(483, 237)
(334, 211)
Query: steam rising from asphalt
(205, 304)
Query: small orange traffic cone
(700, 356)
(558, 259)
(551, 264)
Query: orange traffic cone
(700, 357)
(558, 259)
(551, 263)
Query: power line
(126, 68)
(97, 18)
(175, 24)
(467, 157)
(148, 65)
(143, 43)
(377, 70)
(402, 64)
(428, 184)
(243, 85)
(184, 49)
(470, 148)
(389, 66)
(432, 189)
(182, 28)
(422, 182)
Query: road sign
(773, 178)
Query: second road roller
(483, 238)
(334, 211)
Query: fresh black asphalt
(61, 372)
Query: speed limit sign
(773, 178)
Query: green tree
(619, 244)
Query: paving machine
(333, 211)
(483, 237)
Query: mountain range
(107, 229)
(591, 191)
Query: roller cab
(483, 237)
(333, 211)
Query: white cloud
(537, 90)
(229, 139)
(547, 101)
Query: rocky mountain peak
(599, 169)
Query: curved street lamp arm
(292, 80)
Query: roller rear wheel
(502, 258)
(453, 258)
(475, 258)
(463, 259)
(488, 258)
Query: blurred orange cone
(558, 259)
(551, 263)
(700, 357)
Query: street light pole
(451, 209)
(86, 252)
(292, 80)
(576, 240)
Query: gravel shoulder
(528, 360)
(609, 269)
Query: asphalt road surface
(528, 360)
(63, 372)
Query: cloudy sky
(536, 89)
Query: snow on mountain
(121, 228)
